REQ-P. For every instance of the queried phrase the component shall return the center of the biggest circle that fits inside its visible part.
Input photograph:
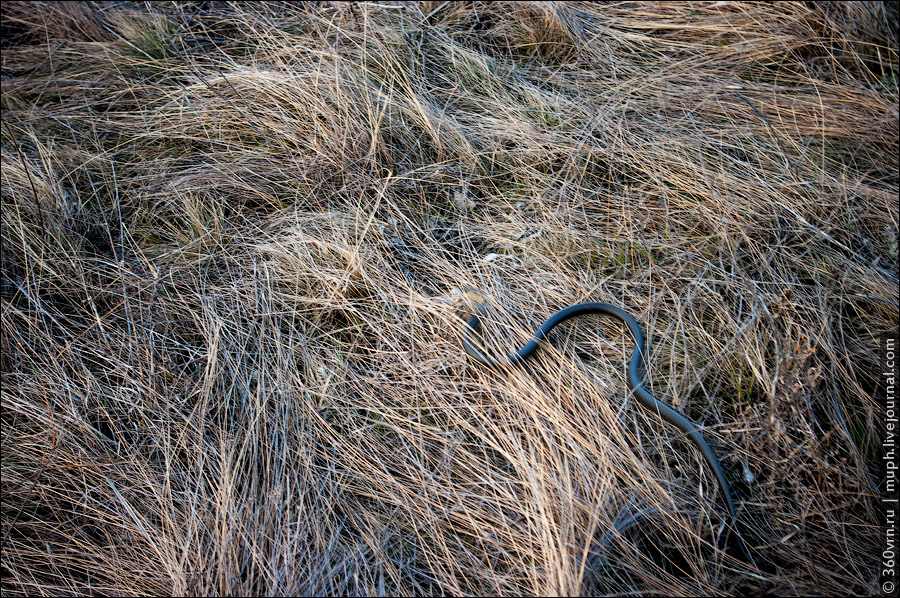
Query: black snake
(634, 382)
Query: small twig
(37, 202)
(82, 465)
(768, 122)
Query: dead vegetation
(233, 236)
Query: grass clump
(233, 237)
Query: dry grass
(233, 236)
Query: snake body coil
(634, 382)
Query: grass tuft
(235, 238)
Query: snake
(634, 382)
